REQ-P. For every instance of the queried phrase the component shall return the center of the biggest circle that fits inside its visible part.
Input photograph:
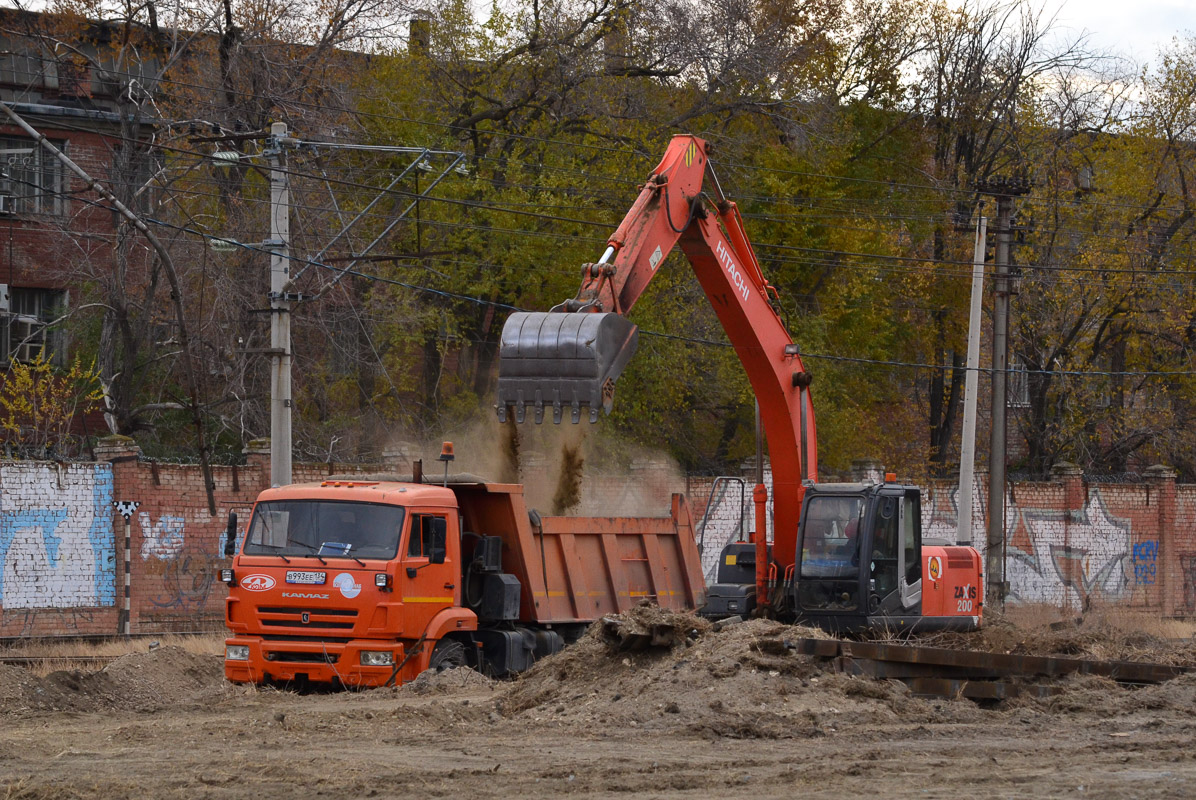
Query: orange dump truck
(371, 582)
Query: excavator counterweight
(562, 360)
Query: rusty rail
(937, 671)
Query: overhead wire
(1056, 268)
(324, 106)
(758, 245)
(830, 252)
(668, 336)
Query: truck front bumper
(315, 662)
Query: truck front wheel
(447, 654)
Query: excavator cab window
(884, 563)
(830, 558)
(911, 551)
(895, 570)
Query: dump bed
(575, 569)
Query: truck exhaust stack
(560, 359)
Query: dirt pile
(166, 677)
(743, 681)
(1092, 637)
(447, 682)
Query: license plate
(296, 576)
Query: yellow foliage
(39, 403)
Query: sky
(1137, 28)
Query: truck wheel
(447, 654)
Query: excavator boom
(571, 356)
(857, 560)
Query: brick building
(48, 227)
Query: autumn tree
(1104, 327)
(982, 67)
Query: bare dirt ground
(720, 714)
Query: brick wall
(62, 544)
(1067, 540)
(46, 250)
(56, 549)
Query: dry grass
(1107, 616)
(53, 654)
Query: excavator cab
(861, 565)
(859, 555)
(562, 360)
(861, 559)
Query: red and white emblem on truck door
(257, 583)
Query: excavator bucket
(561, 359)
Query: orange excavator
(846, 556)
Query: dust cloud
(569, 476)
(581, 469)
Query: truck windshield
(324, 528)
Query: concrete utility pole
(994, 562)
(280, 308)
(967, 451)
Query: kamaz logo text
(733, 271)
(306, 595)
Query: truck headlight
(227, 576)
(377, 658)
(381, 580)
(237, 652)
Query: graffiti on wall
(1145, 558)
(163, 539)
(56, 543)
(182, 554)
(1055, 556)
(940, 510)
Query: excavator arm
(572, 355)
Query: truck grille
(293, 617)
(304, 658)
(323, 612)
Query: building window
(27, 334)
(74, 78)
(31, 180)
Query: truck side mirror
(230, 537)
(439, 548)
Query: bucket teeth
(572, 358)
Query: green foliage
(39, 405)
(851, 136)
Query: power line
(655, 334)
(1055, 268)
(602, 148)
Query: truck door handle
(450, 586)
